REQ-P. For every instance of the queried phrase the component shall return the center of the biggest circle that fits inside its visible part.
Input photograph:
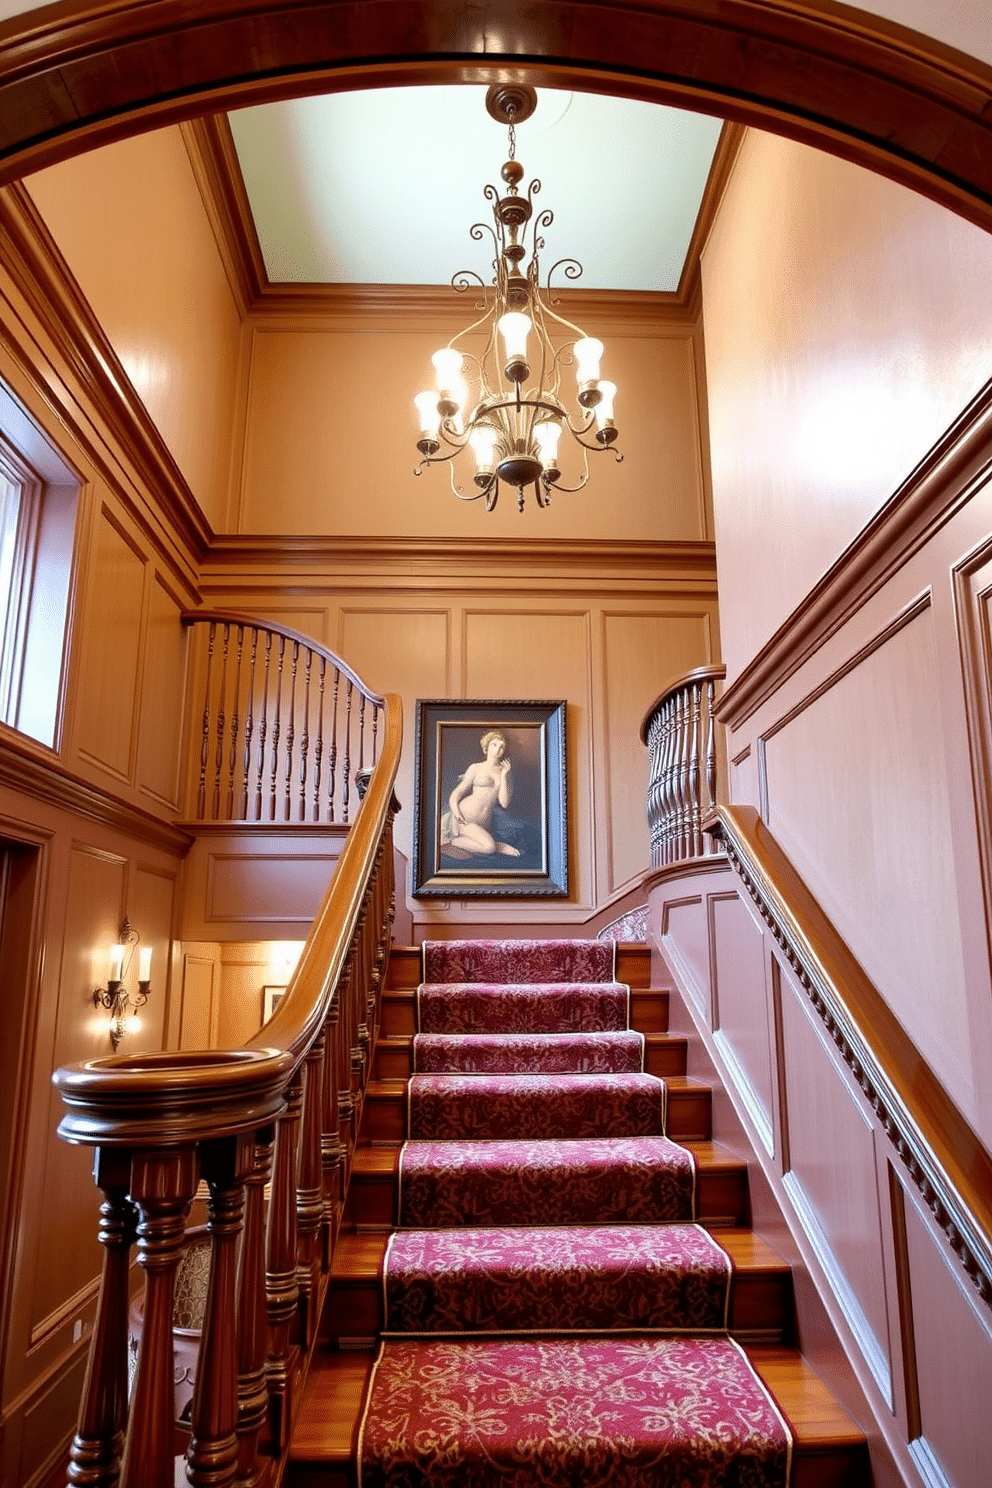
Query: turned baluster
(95, 1454)
(162, 1186)
(280, 1270)
(291, 734)
(359, 993)
(332, 760)
(309, 1192)
(318, 752)
(212, 1454)
(253, 1319)
(330, 1138)
(682, 776)
(249, 724)
(668, 791)
(711, 751)
(346, 767)
(233, 762)
(276, 724)
(263, 727)
(305, 737)
(201, 797)
(346, 1104)
(221, 725)
(695, 817)
(654, 786)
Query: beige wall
(847, 325)
(132, 227)
(330, 439)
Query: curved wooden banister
(283, 728)
(281, 1113)
(944, 1158)
(681, 734)
(716, 672)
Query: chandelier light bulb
(604, 408)
(515, 327)
(429, 419)
(587, 354)
(547, 435)
(483, 440)
(450, 383)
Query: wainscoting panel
(869, 830)
(741, 1013)
(949, 1369)
(832, 1177)
(108, 689)
(163, 696)
(197, 1020)
(683, 931)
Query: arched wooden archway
(89, 71)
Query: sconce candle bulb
(115, 996)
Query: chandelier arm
(572, 269)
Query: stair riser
(648, 1012)
(394, 1061)
(759, 1304)
(633, 966)
(721, 1198)
(384, 1116)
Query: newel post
(162, 1185)
(95, 1454)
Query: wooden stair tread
(665, 1055)
(326, 1427)
(381, 1158)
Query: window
(39, 495)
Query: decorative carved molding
(954, 1206)
(863, 87)
(954, 471)
(214, 158)
(31, 256)
(46, 779)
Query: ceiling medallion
(487, 402)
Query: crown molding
(413, 307)
(493, 556)
(31, 257)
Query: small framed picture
(271, 998)
(490, 800)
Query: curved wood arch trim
(878, 94)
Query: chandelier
(489, 403)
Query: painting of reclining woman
(490, 797)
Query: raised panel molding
(108, 684)
(740, 1014)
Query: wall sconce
(115, 996)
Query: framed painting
(271, 998)
(490, 800)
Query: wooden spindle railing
(681, 733)
(274, 705)
(281, 1111)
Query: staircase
(827, 1447)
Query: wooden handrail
(281, 1111)
(944, 1158)
(713, 673)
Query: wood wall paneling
(131, 224)
(833, 1181)
(253, 883)
(951, 1364)
(684, 935)
(151, 908)
(544, 653)
(827, 412)
(741, 1017)
(197, 1023)
(642, 652)
(868, 827)
(162, 731)
(107, 693)
(408, 651)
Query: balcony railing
(283, 725)
(680, 731)
(279, 1115)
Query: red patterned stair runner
(548, 1201)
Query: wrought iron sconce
(115, 996)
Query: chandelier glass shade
(505, 405)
